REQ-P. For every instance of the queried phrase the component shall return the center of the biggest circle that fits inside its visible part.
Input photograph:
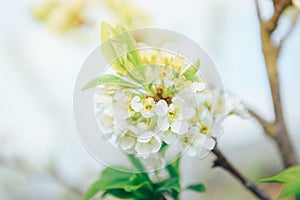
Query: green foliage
(122, 50)
(122, 185)
(291, 180)
(196, 187)
(138, 186)
(109, 79)
(192, 70)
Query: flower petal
(126, 142)
(161, 108)
(136, 104)
(120, 110)
(180, 127)
(163, 123)
(168, 137)
(198, 86)
(187, 112)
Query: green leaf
(109, 179)
(119, 193)
(288, 175)
(111, 173)
(291, 180)
(115, 48)
(171, 184)
(136, 162)
(192, 70)
(111, 49)
(290, 189)
(126, 38)
(196, 187)
(118, 183)
(173, 168)
(109, 79)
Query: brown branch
(268, 126)
(221, 161)
(271, 55)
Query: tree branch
(222, 162)
(268, 127)
(271, 55)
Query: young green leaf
(173, 168)
(171, 184)
(122, 49)
(291, 180)
(290, 189)
(192, 70)
(109, 79)
(196, 187)
(109, 179)
(112, 49)
(119, 193)
(119, 183)
(288, 175)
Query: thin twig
(268, 126)
(221, 161)
(271, 55)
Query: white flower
(126, 142)
(190, 141)
(146, 146)
(121, 109)
(180, 84)
(168, 137)
(107, 121)
(136, 104)
(234, 105)
(198, 86)
(206, 144)
(196, 142)
(147, 109)
(175, 116)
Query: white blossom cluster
(142, 122)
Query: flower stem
(221, 161)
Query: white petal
(187, 112)
(147, 114)
(133, 129)
(121, 124)
(191, 151)
(142, 127)
(206, 142)
(198, 86)
(120, 110)
(163, 123)
(155, 145)
(180, 127)
(161, 108)
(142, 148)
(168, 137)
(209, 144)
(136, 104)
(146, 137)
(126, 142)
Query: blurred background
(42, 46)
